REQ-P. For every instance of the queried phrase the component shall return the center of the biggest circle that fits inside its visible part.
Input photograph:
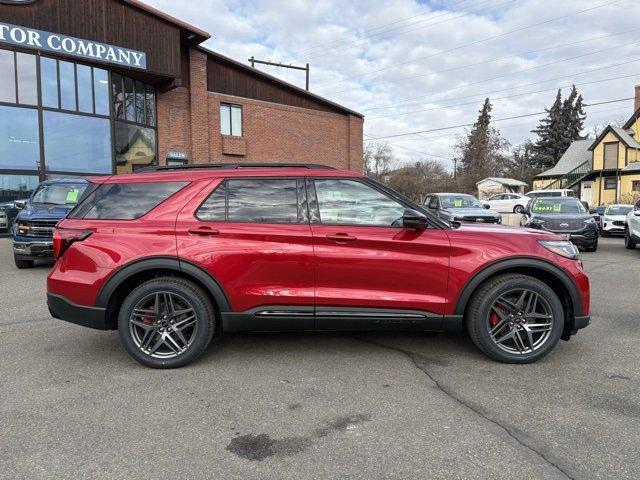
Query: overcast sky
(411, 66)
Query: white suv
(632, 232)
(614, 219)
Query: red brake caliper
(494, 319)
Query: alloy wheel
(163, 325)
(520, 321)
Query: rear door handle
(341, 237)
(204, 231)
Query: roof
(282, 83)
(632, 120)
(632, 167)
(577, 153)
(619, 132)
(511, 182)
(199, 35)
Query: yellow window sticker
(457, 202)
(72, 195)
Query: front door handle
(341, 237)
(203, 231)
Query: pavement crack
(419, 363)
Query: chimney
(637, 102)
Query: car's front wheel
(515, 318)
(629, 242)
(22, 263)
(166, 322)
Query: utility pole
(274, 64)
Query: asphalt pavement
(74, 405)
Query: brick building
(104, 86)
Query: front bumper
(611, 227)
(33, 248)
(64, 309)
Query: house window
(635, 186)
(610, 183)
(230, 119)
(610, 155)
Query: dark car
(34, 224)
(597, 213)
(171, 258)
(460, 207)
(566, 216)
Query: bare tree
(378, 160)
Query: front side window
(125, 201)
(349, 202)
(264, 200)
(230, 119)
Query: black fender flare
(163, 263)
(518, 262)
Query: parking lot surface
(357, 406)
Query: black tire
(518, 209)
(604, 233)
(479, 308)
(197, 299)
(21, 263)
(629, 243)
(592, 248)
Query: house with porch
(601, 171)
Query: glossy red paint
(296, 264)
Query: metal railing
(571, 178)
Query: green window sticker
(557, 207)
(72, 195)
(457, 202)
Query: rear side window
(263, 200)
(125, 201)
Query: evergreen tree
(559, 129)
(479, 153)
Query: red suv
(174, 256)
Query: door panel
(381, 267)
(257, 264)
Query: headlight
(536, 221)
(560, 247)
(590, 220)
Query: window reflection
(19, 138)
(140, 94)
(118, 95)
(135, 147)
(17, 187)
(85, 89)
(266, 201)
(129, 100)
(27, 79)
(151, 106)
(101, 87)
(49, 82)
(67, 85)
(7, 77)
(76, 143)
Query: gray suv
(632, 230)
(460, 207)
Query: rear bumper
(64, 309)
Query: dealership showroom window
(63, 118)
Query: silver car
(632, 231)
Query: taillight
(63, 238)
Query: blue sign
(76, 47)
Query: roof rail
(232, 166)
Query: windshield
(58, 194)
(460, 201)
(618, 209)
(557, 206)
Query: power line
(476, 42)
(492, 121)
(584, 72)
(517, 55)
(348, 38)
(465, 14)
(507, 96)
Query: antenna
(275, 64)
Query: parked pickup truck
(33, 227)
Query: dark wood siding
(229, 79)
(107, 21)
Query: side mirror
(592, 210)
(636, 212)
(526, 211)
(20, 204)
(413, 219)
(487, 206)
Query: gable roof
(577, 153)
(632, 120)
(622, 135)
(510, 182)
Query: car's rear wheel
(22, 263)
(166, 322)
(629, 242)
(518, 209)
(592, 248)
(515, 318)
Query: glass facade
(59, 117)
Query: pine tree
(559, 129)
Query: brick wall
(189, 120)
